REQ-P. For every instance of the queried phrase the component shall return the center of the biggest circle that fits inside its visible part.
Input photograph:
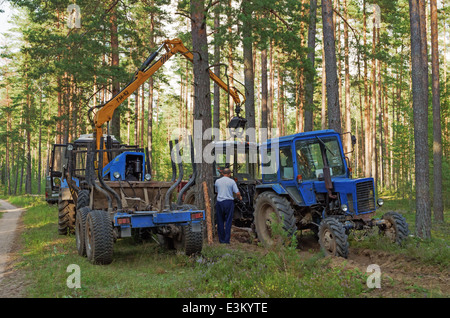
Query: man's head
(226, 172)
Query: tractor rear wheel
(66, 216)
(99, 237)
(270, 208)
(332, 237)
(80, 229)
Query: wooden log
(208, 214)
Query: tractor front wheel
(332, 238)
(395, 227)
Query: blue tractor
(307, 184)
(120, 200)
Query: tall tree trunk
(150, 97)
(264, 94)
(202, 98)
(420, 114)
(249, 80)
(216, 113)
(323, 124)
(374, 101)
(115, 121)
(309, 88)
(271, 90)
(367, 131)
(230, 61)
(438, 207)
(334, 112)
(348, 123)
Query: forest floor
(402, 274)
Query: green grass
(146, 270)
(434, 251)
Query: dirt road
(9, 225)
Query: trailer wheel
(268, 203)
(193, 240)
(83, 199)
(80, 229)
(99, 237)
(332, 238)
(188, 240)
(396, 228)
(66, 216)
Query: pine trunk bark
(419, 76)
(438, 207)
(334, 112)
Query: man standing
(225, 187)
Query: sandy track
(8, 226)
(11, 282)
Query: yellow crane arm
(105, 113)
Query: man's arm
(236, 191)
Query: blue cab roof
(301, 135)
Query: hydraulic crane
(172, 47)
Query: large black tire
(99, 237)
(66, 216)
(188, 241)
(332, 237)
(80, 230)
(268, 203)
(194, 240)
(397, 229)
(189, 197)
(83, 199)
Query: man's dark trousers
(224, 217)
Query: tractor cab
(311, 169)
(240, 157)
(243, 161)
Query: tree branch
(185, 15)
(281, 19)
(346, 22)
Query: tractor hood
(358, 194)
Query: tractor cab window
(241, 161)
(309, 157)
(286, 163)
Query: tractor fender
(276, 187)
(293, 194)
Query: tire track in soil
(401, 275)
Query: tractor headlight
(344, 207)
(380, 202)
(148, 177)
(116, 174)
